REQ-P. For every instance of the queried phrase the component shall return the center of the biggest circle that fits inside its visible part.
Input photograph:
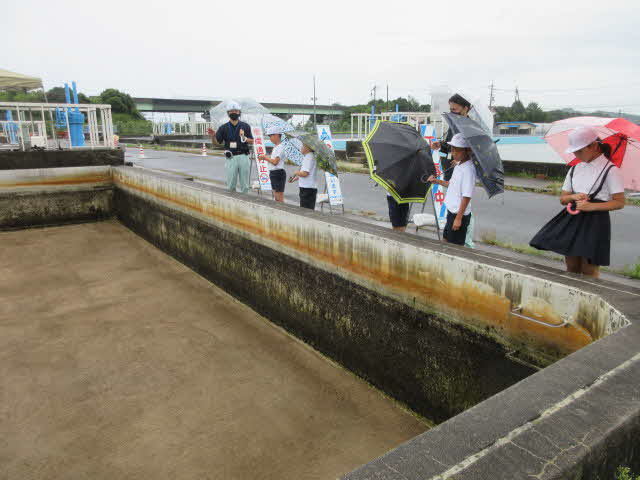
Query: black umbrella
(399, 160)
(485, 153)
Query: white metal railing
(181, 128)
(47, 125)
(362, 123)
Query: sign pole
(435, 215)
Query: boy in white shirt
(277, 172)
(307, 179)
(459, 191)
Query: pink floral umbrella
(622, 135)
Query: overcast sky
(562, 53)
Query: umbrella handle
(571, 208)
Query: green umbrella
(399, 160)
(325, 157)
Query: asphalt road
(513, 217)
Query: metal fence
(362, 123)
(51, 126)
(181, 128)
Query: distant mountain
(602, 113)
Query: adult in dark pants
(398, 214)
(307, 179)
(236, 137)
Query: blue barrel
(76, 124)
(12, 128)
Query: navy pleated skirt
(587, 235)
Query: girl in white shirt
(277, 172)
(307, 179)
(594, 187)
(459, 192)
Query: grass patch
(531, 175)
(625, 473)
(349, 167)
(490, 238)
(632, 271)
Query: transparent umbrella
(251, 112)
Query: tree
(56, 95)
(120, 102)
(534, 113)
(518, 112)
(502, 114)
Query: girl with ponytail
(593, 187)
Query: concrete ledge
(60, 158)
(579, 419)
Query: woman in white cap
(459, 191)
(277, 172)
(582, 231)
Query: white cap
(273, 130)
(580, 138)
(233, 106)
(459, 141)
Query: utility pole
(491, 97)
(373, 92)
(387, 97)
(517, 95)
(314, 101)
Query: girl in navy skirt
(592, 188)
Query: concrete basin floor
(116, 361)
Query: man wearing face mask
(236, 137)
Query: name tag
(233, 145)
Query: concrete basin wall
(421, 274)
(53, 196)
(421, 321)
(46, 159)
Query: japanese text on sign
(333, 184)
(263, 169)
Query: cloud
(271, 52)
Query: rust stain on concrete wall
(59, 181)
(477, 302)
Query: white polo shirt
(585, 179)
(278, 151)
(462, 183)
(308, 165)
